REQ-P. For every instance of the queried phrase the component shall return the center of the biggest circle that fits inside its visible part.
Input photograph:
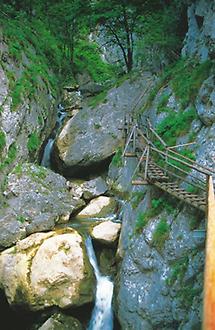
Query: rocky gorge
(46, 278)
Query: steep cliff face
(201, 32)
(160, 278)
(27, 112)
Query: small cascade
(46, 159)
(102, 315)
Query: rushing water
(46, 159)
(102, 315)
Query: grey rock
(37, 199)
(201, 30)
(94, 188)
(93, 135)
(205, 102)
(61, 321)
(143, 293)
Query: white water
(46, 159)
(102, 316)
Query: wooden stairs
(158, 178)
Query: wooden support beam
(139, 182)
(209, 275)
(130, 154)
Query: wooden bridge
(164, 167)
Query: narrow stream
(46, 159)
(102, 315)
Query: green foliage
(98, 99)
(11, 156)
(21, 218)
(160, 234)
(187, 292)
(161, 34)
(175, 124)
(117, 158)
(136, 198)
(162, 104)
(2, 141)
(87, 58)
(141, 221)
(18, 170)
(178, 271)
(33, 142)
(39, 174)
(186, 78)
(157, 206)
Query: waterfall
(102, 315)
(46, 159)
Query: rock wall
(201, 30)
(26, 118)
(159, 284)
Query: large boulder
(90, 138)
(47, 269)
(37, 199)
(106, 232)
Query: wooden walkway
(181, 177)
(162, 166)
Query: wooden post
(209, 275)
(146, 165)
(134, 139)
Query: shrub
(136, 198)
(175, 124)
(160, 233)
(2, 141)
(33, 142)
(11, 156)
(87, 58)
(141, 221)
(157, 206)
(117, 158)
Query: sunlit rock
(99, 207)
(47, 269)
(106, 232)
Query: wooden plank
(139, 182)
(209, 275)
(130, 154)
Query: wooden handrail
(209, 275)
(206, 172)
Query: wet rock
(99, 207)
(37, 199)
(89, 139)
(71, 99)
(88, 189)
(205, 102)
(61, 321)
(47, 269)
(106, 232)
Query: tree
(120, 18)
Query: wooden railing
(146, 144)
